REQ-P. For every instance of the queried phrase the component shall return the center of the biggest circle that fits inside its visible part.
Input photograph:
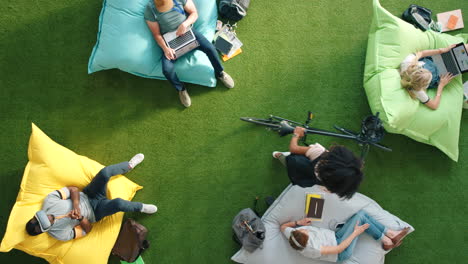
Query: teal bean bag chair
(124, 42)
(390, 41)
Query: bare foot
(387, 241)
(391, 233)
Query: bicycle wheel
(270, 123)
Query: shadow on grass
(44, 76)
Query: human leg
(171, 76)
(209, 49)
(168, 70)
(375, 230)
(281, 156)
(105, 207)
(96, 189)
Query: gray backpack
(248, 229)
(233, 10)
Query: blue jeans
(205, 46)
(96, 192)
(376, 230)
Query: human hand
(360, 229)
(299, 131)
(447, 49)
(304, 222)
(181, 29)
(445, 79)
(75, 213)
(170, 54)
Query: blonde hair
(415, 78)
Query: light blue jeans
(376, 230)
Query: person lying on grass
(163, 16)
(337, 169)
(68, 213)
(419, 72)
(324, 244)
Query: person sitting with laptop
(68, 213)
(419, 72)
(164, 16)
(324, 244)
(338, 170)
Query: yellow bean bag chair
(51, 167)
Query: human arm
(427, 53)
(78, 231)
(434, 102)
(156, 32)
(75, 198)
(328, 250)
(294, 148)
(302, 222)
(85, 224)
(192, 17)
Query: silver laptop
(181, 44)
(455, 61)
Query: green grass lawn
(202, 164)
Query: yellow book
(237, 52)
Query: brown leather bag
(131, 241)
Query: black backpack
(418, 16)
(233, 10)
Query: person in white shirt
(324, 244)
(418, 73)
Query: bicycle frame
(286, 128)
(316, 131)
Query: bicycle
(371, 133)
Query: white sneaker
(149, 209)
(226, 79)
(185, 98)
(137, 159)
(282, 153)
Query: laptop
(181, 44)
(455, 61)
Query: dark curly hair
(340, 171)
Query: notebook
(314, 206)
(450, 20)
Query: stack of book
(227, 42)
(314, 206)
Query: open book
(314, 206)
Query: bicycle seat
(285, 129)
